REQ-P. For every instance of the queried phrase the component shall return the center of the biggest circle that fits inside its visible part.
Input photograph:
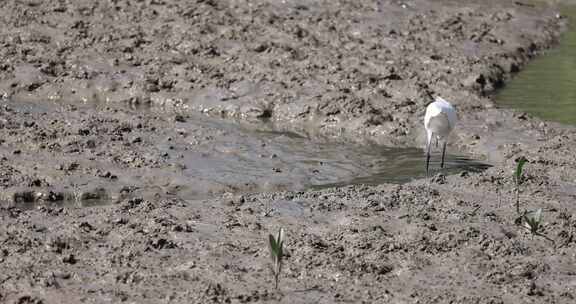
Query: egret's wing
(448, 109)
(433, 110)
(452, 117)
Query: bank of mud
(94, 92)
(343, 69)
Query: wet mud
(202, 124)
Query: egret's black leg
(427, 157)
(443, 153)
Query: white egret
(439, 121)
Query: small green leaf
(276, 253)
(519, 167)
(538, 215)
(273, 247)
(533, 220)
(281, 235)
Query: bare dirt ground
(101, 102)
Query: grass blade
(276, 253)
(519, 167)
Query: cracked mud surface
(137, 102)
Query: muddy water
(280, 160)
(547, 87)
(196, 157)
(252, 152)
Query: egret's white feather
(439, 120)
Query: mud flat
(101, 102)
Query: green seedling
(533, 221)
(276, 253)
(518, 180)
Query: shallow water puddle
(197, 157)
(547, 86)
(268, 160)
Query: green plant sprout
(533, 222)
(518, 180)
(276, 253)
